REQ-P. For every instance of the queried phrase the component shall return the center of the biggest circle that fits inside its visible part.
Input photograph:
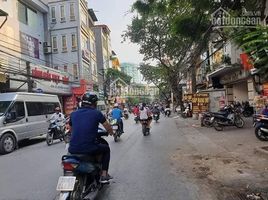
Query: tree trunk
(193, 77)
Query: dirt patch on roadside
(227, 176)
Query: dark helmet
(89, 98)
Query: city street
(178, 161)
(140, 165)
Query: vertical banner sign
(29, 45)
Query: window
(65, 67)
(16, 113)
(74, 43)
(34, 108)
(53, 14)
(72, 16)
(54, 44)
(40, 108)
(62, 13)
(75, 71)
(64, 43)
(49, 108)
(27, 15)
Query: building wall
(240, 91)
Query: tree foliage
(113, 74)
(254, 42)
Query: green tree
(113, 74)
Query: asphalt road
(141, 167)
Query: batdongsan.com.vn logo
(222, 18)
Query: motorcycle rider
(265, 111)
(156, 111)
(117, 114)
(145, 114)
(84, 124)
(58, 117)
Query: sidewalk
(225, 162)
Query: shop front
(238, 85)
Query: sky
(114, 14)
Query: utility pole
(29, 80)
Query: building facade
(132, 70)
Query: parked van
(23, 116)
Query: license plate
(115, 127)
(66, 183)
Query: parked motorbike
(186, 113)
(156, 117)
(231, 118)
(248, 110)
(261, 127)
(81, 175)
(207, 119)
(116, 128)
(145, 129)
(55, 131)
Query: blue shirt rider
(84, 124)
(117, 114)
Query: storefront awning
(223, 70)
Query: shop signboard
(200, 102)
(50, 80)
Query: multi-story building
(133, 71)
(72, 39)
(23, 35)
(104, 53)
(56, 41)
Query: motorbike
(55, 131)
(248, 110)
(232, 117)
(145, 129)
(116, 128)
(261, 127)
(186, 113)
(81, 175)
(207, 119)
(167, 112)
(136, 119)
(125, 114)
(156, 117)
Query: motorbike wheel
(78, 189)
(206, 122)
(49, 138)
(259, 134)
(116, 137)
(217, 126)
(144, 129)
(247, 114)
(239, 122)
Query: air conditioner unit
(54, 20)
(45, 44)
(47, 50)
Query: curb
(261, 151)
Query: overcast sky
(113, 13)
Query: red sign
(246, 61)
(69, 105)
(49, 76)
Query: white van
(23, 116)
